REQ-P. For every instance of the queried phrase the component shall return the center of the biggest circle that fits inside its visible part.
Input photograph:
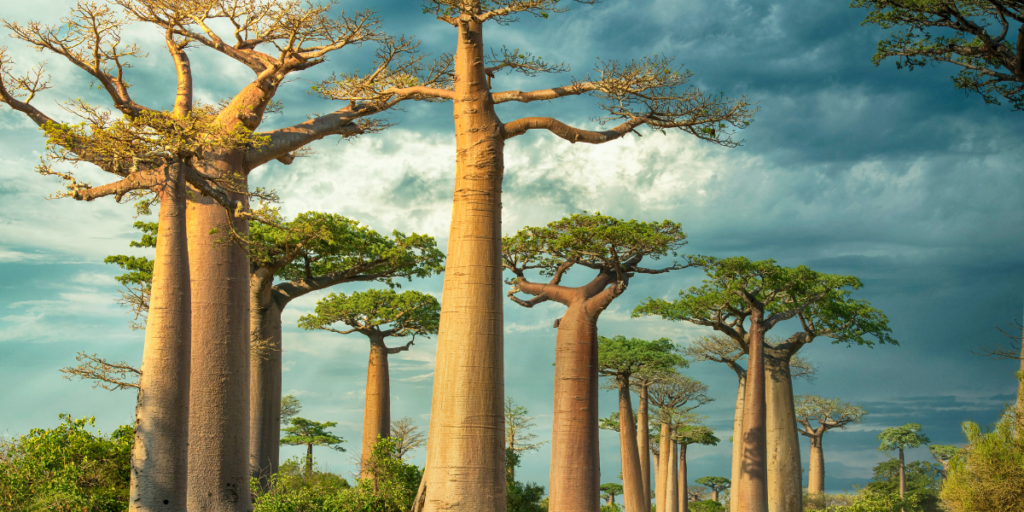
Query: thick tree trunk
(816, 471)
(159, 474)
(661, 477)
(753, 484)
(672, 480)
(218, 448)
(643, 442)
(264, 381)
(737, 442)
(632, 482)
(714, 494)
(309, 459)
(785, 474)
(575, 484)
(683, 498)
(377, 412)
(465, 470)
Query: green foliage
(867, 501)
(906, 436)
(695, 434)
(67, 469)
(517, 423)
(820, 300)
(974, 44)
(521, 497)
(922, 482)
(392, 488)
(614, 507)
(826, 501)
(715, 483)
(987, 474)
(311, 433)
(290, 407)
(592, 240)
(408, 313)
(706, 506)
(622, 356)
(317, 244)
(830, 412)
(943, 452)
(139, 269)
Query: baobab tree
(312, 252)
(715, 483)
(683, 436)
(899, 438)
(619, 358)
(465, 469)
(828, 413)
(615, 250)
(407, 436)
(737, 291)
(311, 433)
(518, 439)
(301, 35)
(609, 492)
(377, 314)
(672, 395)
(942, 453)
(723, 349)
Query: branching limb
(14, 88)
(108, 375)
(403, 348)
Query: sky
(888, 175)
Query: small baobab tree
(685, 434)
(828, 414)
(616, 251)
(673, 396)
(900, 438)
(717, 484)
(407, 436)
(311, 433)
(377, 314)
(620, 358)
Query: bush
(987, 474)
(823, 501)
(521, 497)
(706, 506)
(870, 501)
(67, 469)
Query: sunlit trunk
(632, 482)
(465, 470)
(159, 473)
(661, 477)
(672, 480)
(377, 411)
(264, 381)
(753, 484)
(816, 469)
(643, 443)
(575, 484)
(683, 498)
(785, 474)
(218, 448)
(737, 442)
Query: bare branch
(108, 375)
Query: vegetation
(899, 439)
(311, 433)
(987, 474)
(521, 497)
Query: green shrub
(823, 501)
(870, 501)
(706, 506)
(987, 474)
(519, 496)
(67, 469)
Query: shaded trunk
(661, 477)
(672, 480)
(753, 484)
(737, 443)
(683, 501)
(785, 474)
(575, 459)
(632, 482)
(816, 470)
(377, 413)
(643, 442)
(265, 380)
(903, 476)
(309, 459)
(159, 461)
(465, 469)
(714, 494)
(218, 448)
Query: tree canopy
(970, 34)
(290, 407)
(986, 474)
(307, 432)
(829, 413)
(517, 422)
(620, 356)
(902, 437)
(377, 312)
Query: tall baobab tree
(828, 413)
(301, 36)
(685, 435)
(723, 349)
(465, 467)
(377, 314)
(900, 438)
(735, 292)
(619, 358)
(671, 395)
(312, 252)
(615, 250)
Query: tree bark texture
(683, 498)
(643, 442)
(672, 479)
(465, 469)
(218, 449)
(661, 476)
(753, 484)
(632, 482)
(575, 484)
(264, 381)
(816, 469)
(903, 476)
(377, 412)
(785, 474)
(309, 459)
(159, 474)
(737, 442)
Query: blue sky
(891, 176)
